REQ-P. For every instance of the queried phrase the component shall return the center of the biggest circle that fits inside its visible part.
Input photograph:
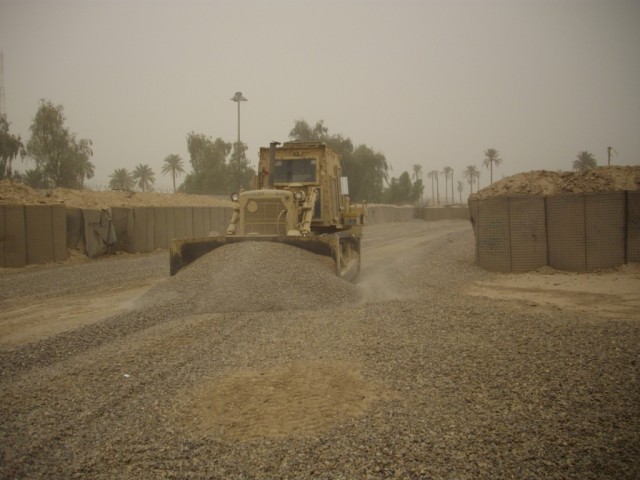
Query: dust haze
(433, 83)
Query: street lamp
(238, 98)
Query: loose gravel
(254, 277)
(430, 383)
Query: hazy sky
(424, 82)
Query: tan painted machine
(300, 199)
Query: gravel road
(277, 369)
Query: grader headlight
(299, 196)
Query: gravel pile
(544, 182)
(254, 277)
(432, 384)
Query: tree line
(584, 161)
(219, 167)
(366, 169)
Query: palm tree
(584, 161)
(491, 158)
(471, 173)
(86, 169)
(121, 179)
(433, 174)
(144, 177)
(173, 165)
(448, 171)
(460, 188)
(417, 172)
(417, 175)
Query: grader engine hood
(266, 212)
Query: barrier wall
(445, 213)
(12, 236)
(151, 228)
(633, 227)
(389, 213)
(578, 232)
(42, 233)
(32, 234)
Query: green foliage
(584, 161)
(239, 174)
(491, 158)
(303, 132)
(10, 147)
(417, 190)
(366, 169)
(434, 175)
(472, 175)
(173, 165)
(35, 178)
(212, 174)
(402, 191)
(448, 173)
(62, 159)
(144, 177)
(416, 172)
(121, 179)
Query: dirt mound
(14, 193)
(255, 277)
(543, 182)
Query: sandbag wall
(32, 234)
(577, 232)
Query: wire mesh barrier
(576, 232)
(633, 227)
(31, 234)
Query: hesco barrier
(42, 233)
(633, 227)
(576, 232)
(442, 213)
(32, 234)
(145, 229)
(389, 213)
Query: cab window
(298, 170)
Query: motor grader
(300, 198)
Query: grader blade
(344, 250)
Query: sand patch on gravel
(611, 294)
(292, 400)
(30, 321)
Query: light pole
(238, 98)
